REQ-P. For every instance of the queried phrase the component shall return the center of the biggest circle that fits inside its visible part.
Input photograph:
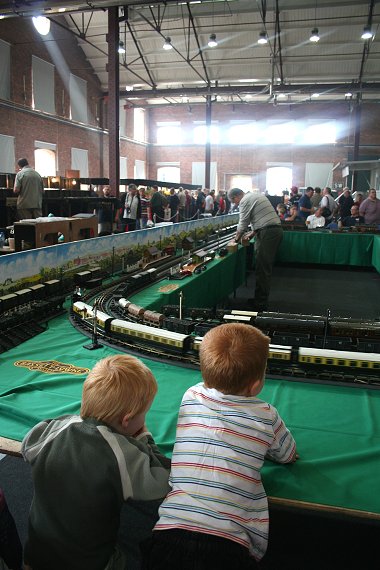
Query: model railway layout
(362, 367)
(24, 312)
(321, 348)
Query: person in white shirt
(327, 206)
(209, 203)
(130, 211)
(315, 221)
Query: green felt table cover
(376, 253)
(221, 276)
(337, 428)
(327, 248)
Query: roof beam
(254, 89)
(197, 41)
(137, 46)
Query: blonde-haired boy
(216, 515)
(85, 467)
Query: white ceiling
(289, 69)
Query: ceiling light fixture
(168, 44)
(42, 25)
(314, 35)
(121, 48)
(367, 34)
(212, 41)
(263, 38)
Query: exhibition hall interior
(182, 182)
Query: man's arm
(244, 218)
(17, 186)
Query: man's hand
(247, 238)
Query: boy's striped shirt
(220, 447)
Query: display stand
(85, 226)
(30, 234)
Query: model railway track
(162, 268)
(289, 362)
(136, 347)
(132, 328)
(293, 373)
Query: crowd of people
(142, 207)
(318, 209)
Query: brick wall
(19, 120)
(253, 159)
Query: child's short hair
(117, 385)
(232, 357)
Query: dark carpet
(312, 290)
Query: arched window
(44, 162)
(279, 178)
(169, 174)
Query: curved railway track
(108, 305)
(105, 301)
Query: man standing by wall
(157, 205)
(327, 205)
(30, 188)
(257, 211)
(345, 203)
(370, 208)
(182, 204)
(130, 211)
(304, 205)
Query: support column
(113, 99)
(357, 125)
(208, 142)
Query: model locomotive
(281, 358)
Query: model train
(280, 357)
(153, 318)
(139, 280)
(89, 278)
(133, 332)
(314, 331)
(339, 333)
(336, 333)
(23, 311)
(30, 295)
